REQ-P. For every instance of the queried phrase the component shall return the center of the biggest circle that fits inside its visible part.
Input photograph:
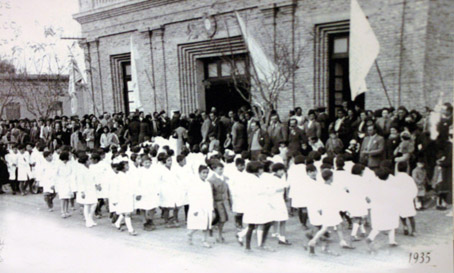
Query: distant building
(33, 96)
(182, 44)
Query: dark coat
(134, 131)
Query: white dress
(86, 186)
(184, 176)
(111, 183)
(384, 201)
(148, 189)
(257, 208)
(357, 205)
(46, 174)
(200, 214)
(298, 180)
(314, 192)
(407, 191)
(277, 187)
(23, 166)
(125, 193)
(237, 186)
(329, 206)
(100, 171)
(11, 161)
(64, 180)
(171, 193)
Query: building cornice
(109, 11)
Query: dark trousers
(239, 220)
(302, 214)
(101, 202)
(49, 197)
(186, 210)
(251, 228)
(14, 186)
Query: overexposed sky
(31, 17)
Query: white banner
(265, 67)
(134, 96)
(75, 77)
(363, 51)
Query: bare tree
(43, 90)
(264, 95)
(6, 92)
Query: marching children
(277, 185)
(86, 194)
(357, 208)
(407, 192)
(383, 198)
(149, 190)
(236, 187)
(170, 197)
(220, 195)
(200, 206)
(23, 168)
(63, 182)
(46, 176)
(298, 189)
(256, 211)
(124, 196)
(329, 212)
(183, 173)
(11, 161)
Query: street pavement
(35, 240)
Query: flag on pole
(364, 48)
(264, 67)
(75, 78)
(134, 94)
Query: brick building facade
(179, 40)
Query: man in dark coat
(296, 137)
(134, 130)
(194, 130)
(342, 127)
(277, 133)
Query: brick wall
(423, 65)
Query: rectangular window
(213, 70)
(57, 108)
(340, 45)
(226, 69)
(12, 110)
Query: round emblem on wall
(209, 25)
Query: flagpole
(382, 83)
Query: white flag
(265, 67)
(75, 78)
(134, 96)
(364, 48)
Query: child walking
(87, 195)
(330, 216)
(47, 179)
(407, 192)
(201, 208)
(220, 196)
(63, 182)
(124, 196)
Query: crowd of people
(359, 169)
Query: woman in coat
(201, 207)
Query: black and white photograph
(226, 136)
